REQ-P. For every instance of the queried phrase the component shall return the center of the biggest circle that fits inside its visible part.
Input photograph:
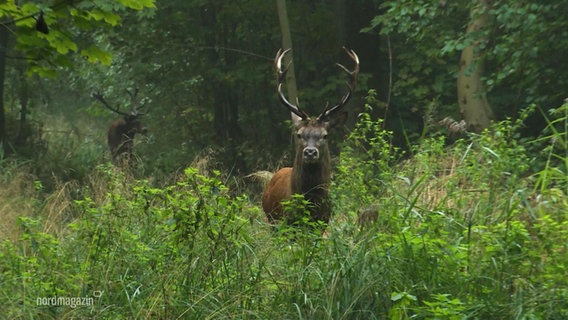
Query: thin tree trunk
(24, 99)
(291, 87)
(3, 49)
(340, 13)
(472, 99)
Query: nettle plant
(366, 162)
(130, 240)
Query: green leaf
(25, 11)
(95, 54)
(395, 296)
(138, 4)
(61, 42)
(7, 9)
(109, 17)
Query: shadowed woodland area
(136, 136)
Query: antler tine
(351, 82)
(281, 75)
(99, 97)
(133, 103)
(137, 105)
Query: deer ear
(337, 121)
(297, 121)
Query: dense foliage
(461, 232)
(521, 65)
(205, 70)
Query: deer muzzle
(310, 154)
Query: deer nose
(311, 153)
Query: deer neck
(311, 179)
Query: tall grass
(16, 191)
(474, 230)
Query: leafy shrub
(463, 231)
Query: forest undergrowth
(475, 230)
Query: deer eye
(324, 136)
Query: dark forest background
(205, 73)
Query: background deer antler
(99, 97)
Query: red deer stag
(311, 171)
(122, 131)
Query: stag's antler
(99, 96)
(281, 75)
(134, 109)
(351, 82)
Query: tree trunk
(472, 99)
(340, 16)
(3, 49)
(291, 87)
(24, 99)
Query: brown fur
(121, 136)
(367, 217)
(310, 178)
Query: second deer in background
(121, 133)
